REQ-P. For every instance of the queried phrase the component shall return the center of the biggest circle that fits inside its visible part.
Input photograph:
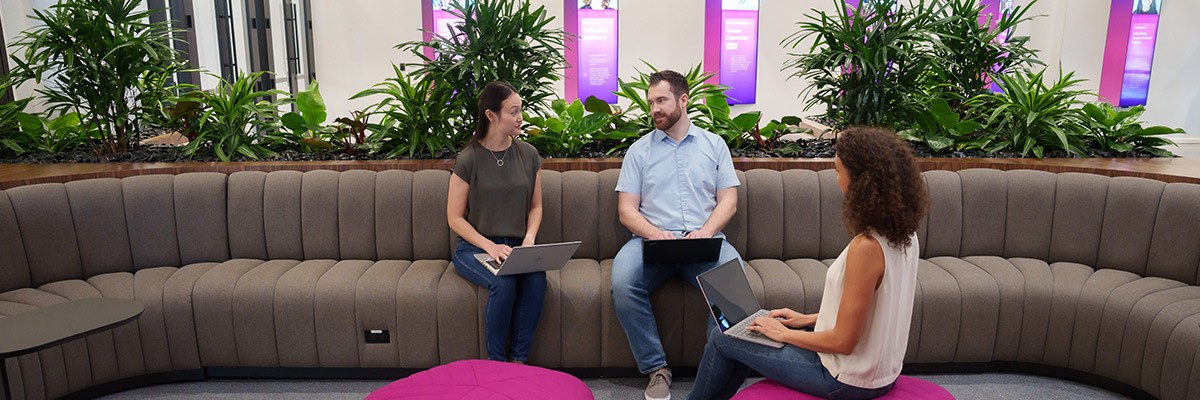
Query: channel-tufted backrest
(53, 232)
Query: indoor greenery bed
(924, 70)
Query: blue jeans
(632, 283)
(513, 301)
(728, 361)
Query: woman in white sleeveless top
(853, 348)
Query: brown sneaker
(660, 385)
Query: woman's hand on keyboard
(498, 252)
(769, 327)
(793, 319)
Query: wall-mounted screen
(731, 47)
(441, 16)
(592, 42)
(993, 10)
(1129, 51)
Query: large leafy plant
(305, 127)
(1030, 116)
(1121, 131)
(52, 135)
(867, 64)
(11, 139)
(100, 59)
(498, 40)
(972, 48)
(568, 129)
(237, 119)
(737, 131)
(413, 117)
(940, 127)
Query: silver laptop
(731, 302)
(524, 259)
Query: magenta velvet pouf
(482, 379)
(906, 388)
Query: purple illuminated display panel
(731, 44)
(439, 18)
(591, 49)
(1129, 52)
(993, 10)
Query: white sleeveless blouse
(877, 359)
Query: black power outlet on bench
(376, 336)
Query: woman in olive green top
(495, 203)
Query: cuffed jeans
(728, 361)
(513, 301)
(632, 283)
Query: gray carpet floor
(963, 386)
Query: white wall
(352, 42)
(14, 14)
(208, 52)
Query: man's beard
(669, 121)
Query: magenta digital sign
(591, 51)
(993, 10)
(439, 17)
(1129, 51)
(731, 47)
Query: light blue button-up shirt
(677, 182)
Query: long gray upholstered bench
(267, 274)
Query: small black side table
(31, 331)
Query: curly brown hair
(887, 193)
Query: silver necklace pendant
(499, 163)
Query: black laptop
(681, 251)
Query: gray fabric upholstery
(247, 234)
(47, 232)
(98, 211)
(394, 215)
(1129, 217)
(945, 215)
(14, 266)
(288, 269)
(1175, 250)
(1077, 225)
(984, 212)
(1030, 214)
(282, 221)
(200, 215)
(150, 217)
(581, 196)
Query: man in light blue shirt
(677, 181)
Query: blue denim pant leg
(514, 302)
(632, 283)
(528, 311)
(727, 362)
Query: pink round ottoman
(482, 379)
(906, 388)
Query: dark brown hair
(887, 192)
(679, 84)
(491, 98)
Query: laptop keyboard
(740, 330)
(492, 265)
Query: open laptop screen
(727, 291)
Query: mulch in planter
(807, 148)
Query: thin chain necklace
(499, 160)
